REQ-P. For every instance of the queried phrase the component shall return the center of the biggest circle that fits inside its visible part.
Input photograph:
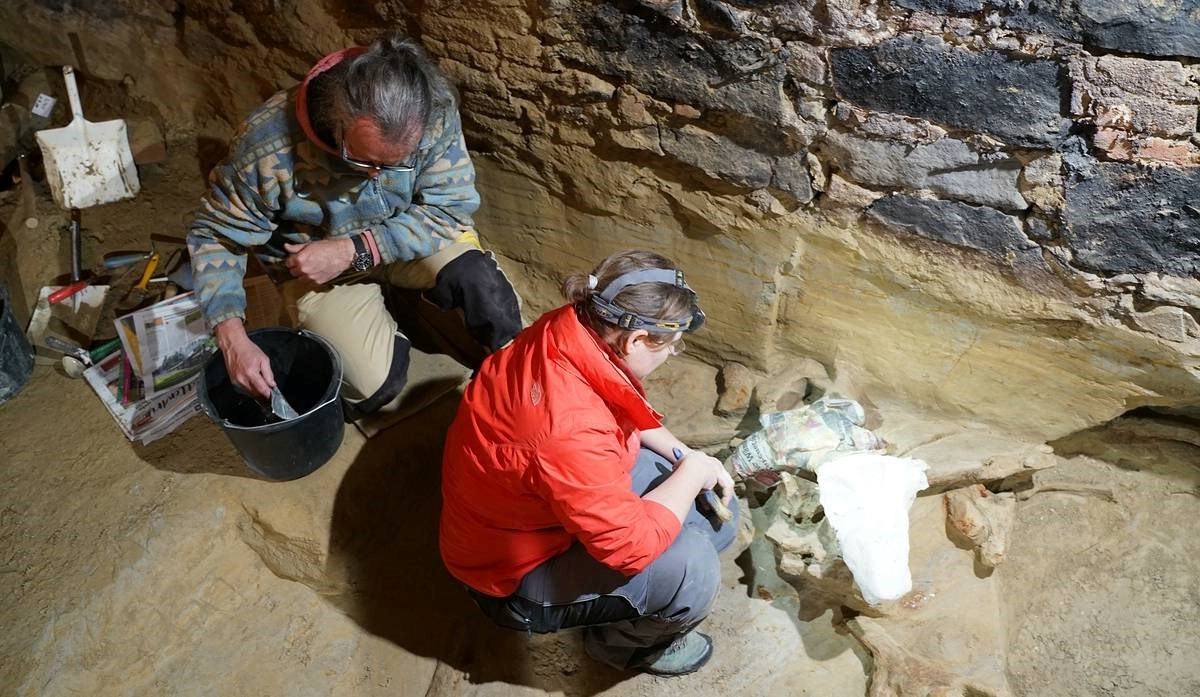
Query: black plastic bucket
(308, 372)
(16, 356)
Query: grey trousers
(624, 615)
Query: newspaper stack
(150, 386)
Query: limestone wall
(981, 208)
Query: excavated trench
(977, 223)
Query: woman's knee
(685, 578)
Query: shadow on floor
(384, 537)
(197, 447)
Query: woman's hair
(657, 300)
(393, 83)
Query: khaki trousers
(355, 317)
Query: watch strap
(363, 259)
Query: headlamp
(612, 313)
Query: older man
(358, 176)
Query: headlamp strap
(603, 301)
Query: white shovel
(87, 163)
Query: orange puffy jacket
(540, 455)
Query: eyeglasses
(407, 166)
(676, 347)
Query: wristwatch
(363, 259)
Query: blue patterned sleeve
(233, 217)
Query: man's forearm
(230, 332)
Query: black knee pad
(396, 378)
(474, 284)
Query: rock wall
(980, 208)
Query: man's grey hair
(393, 83)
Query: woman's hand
(713, 473)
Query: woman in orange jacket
(566, 502)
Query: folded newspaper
(167, 343)
(150, 386)
(146, 419)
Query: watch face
(362, 261)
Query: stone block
(671, 9)
(1122, 146)
(1014, 100)
(1124, 218)
(1038, 230)
(1146, 27)
(844, 201)
(976, 227)
(638, 139)
(947, 166)
(1146, 96)
(887, 126)
(632, 108)
(578, 86)
(717, 156)
(1042, 183)
(941, 6)
(851, 22)
(786, 389)
(792, 175)
(737, 386)
(1184, 292)
(1169, 322)
(807, 63)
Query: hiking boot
(686, 654)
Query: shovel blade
(88, 164)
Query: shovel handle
(73, 92)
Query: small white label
(43, 105)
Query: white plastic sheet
(866, 497)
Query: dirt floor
(170, 569)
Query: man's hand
(247, 365)
(320, 261)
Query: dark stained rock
(739, 76)
(671, 9)
(1133, 26)
(1017, 101)
(717, 156)
(791, 176)
(1125, 218)
(719, 17)
(947, 166)
(1038, 229)
(941, 6)
(977, 227)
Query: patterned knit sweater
(278, 186)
